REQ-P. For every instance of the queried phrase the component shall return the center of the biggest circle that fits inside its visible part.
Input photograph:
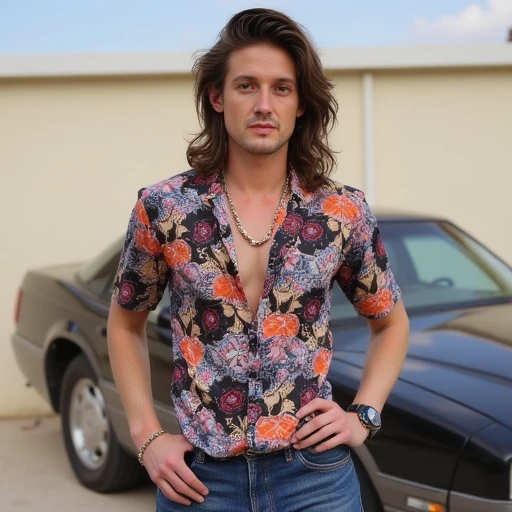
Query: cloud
(476, 23)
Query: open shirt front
(238, 381)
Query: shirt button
(255, 389)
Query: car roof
(398, 215)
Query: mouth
(262, 128)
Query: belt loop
(199, 456)
(250, 454)
(288, 454)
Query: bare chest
(252, 261)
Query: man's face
(260, 99)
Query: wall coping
(179, 63)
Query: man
(249, 242)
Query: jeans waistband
(287, 452)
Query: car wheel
(97, 458)
(370, 498)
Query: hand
(164, 460)
(329, 420)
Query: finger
(316, 437)
(341, 438)
(317, 404)
(190, 479)
(306, 430)
(182, 488)
(319, 421)
(169, 491)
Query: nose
(263, 102)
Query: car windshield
(437, 266)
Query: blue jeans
(286, 481)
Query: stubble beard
(263, 147)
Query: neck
(260, 174)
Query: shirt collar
(297, 188)
(215, 187)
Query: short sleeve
(143, 273)
(365, 275)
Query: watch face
(371, 416)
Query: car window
(436, 264)
(165, 301)
(97, 275)
(110, 274)
(439, 259)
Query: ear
(300, 111)
(216, 99)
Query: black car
(446, 440)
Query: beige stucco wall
(347, 136)
(74, 152)
(443, 145)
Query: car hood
(465, 356)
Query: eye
(244, 86)
(283, 88)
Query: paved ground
(35, 474)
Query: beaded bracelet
(147, 443)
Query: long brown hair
(308, 152)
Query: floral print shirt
(237, 382)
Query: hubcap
(88, 424)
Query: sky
(100, 26)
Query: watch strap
(356, 408)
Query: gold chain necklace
(238, 222)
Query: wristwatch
(368, 416)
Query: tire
(370, 498)
(98, 460)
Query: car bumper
(30, 359)
(394, 493)
(465, 503)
